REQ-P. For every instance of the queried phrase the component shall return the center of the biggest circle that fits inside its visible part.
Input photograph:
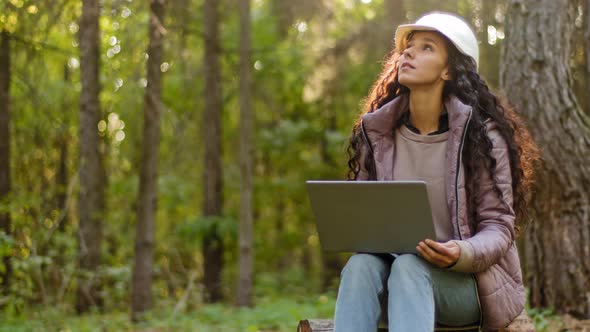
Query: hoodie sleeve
(495, 217)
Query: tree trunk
(395, 14)
(535, 72)
(283, 11)
(396, 11)
(489, 54)
(91, 199)
(212, 175)
(5, 150)
(148, 185)
(62, 179)
(62, 171)
(579, 60)
(587, 53)
(62, 194)
(246, 254)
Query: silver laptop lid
(371, 216)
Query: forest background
(153, 154)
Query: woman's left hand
(438, 253)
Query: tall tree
(587, 51)
(283, 11)
(61, 180)
(148, 187)
(579, 65)
(212, 172)
(489, 54)
(534, 69)
(92, 176)
(5, 148)
(246, 255)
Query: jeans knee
(408, 267)
(364, 268)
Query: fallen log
(522, 323)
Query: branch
(182, 302)
(43, 45)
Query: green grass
(274, 313)
(270, 314)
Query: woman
(431, 117)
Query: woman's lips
(407, 65)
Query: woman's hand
(438, 253)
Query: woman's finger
(425, 255)
(448, 249)
(432, 256)
(438, 247)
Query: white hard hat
(450, 25)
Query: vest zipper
(459, 158)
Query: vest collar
(382, 120)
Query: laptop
(371, 216)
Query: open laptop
(371, 216)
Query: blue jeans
(413, 292)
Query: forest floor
(271, 314)
(276, 314)
(566, 323)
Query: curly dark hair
(472, 90)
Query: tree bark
(395, 14)
(212, 174)
(579, 58)
(587, 52)
(283, 11)
(92, 175)
(5, 104)
(489, 54)
(148, 183)
(62, 171)
(246, 254)
(534, 69)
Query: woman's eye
(428, 46)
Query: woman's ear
(446, 75)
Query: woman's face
(423, 61)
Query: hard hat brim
(403, 30)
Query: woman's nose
(408, 53)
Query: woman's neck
(425, 109)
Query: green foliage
(310, 74)
(541, 317)
(198, 228)
(271, 313)
(6, 243)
